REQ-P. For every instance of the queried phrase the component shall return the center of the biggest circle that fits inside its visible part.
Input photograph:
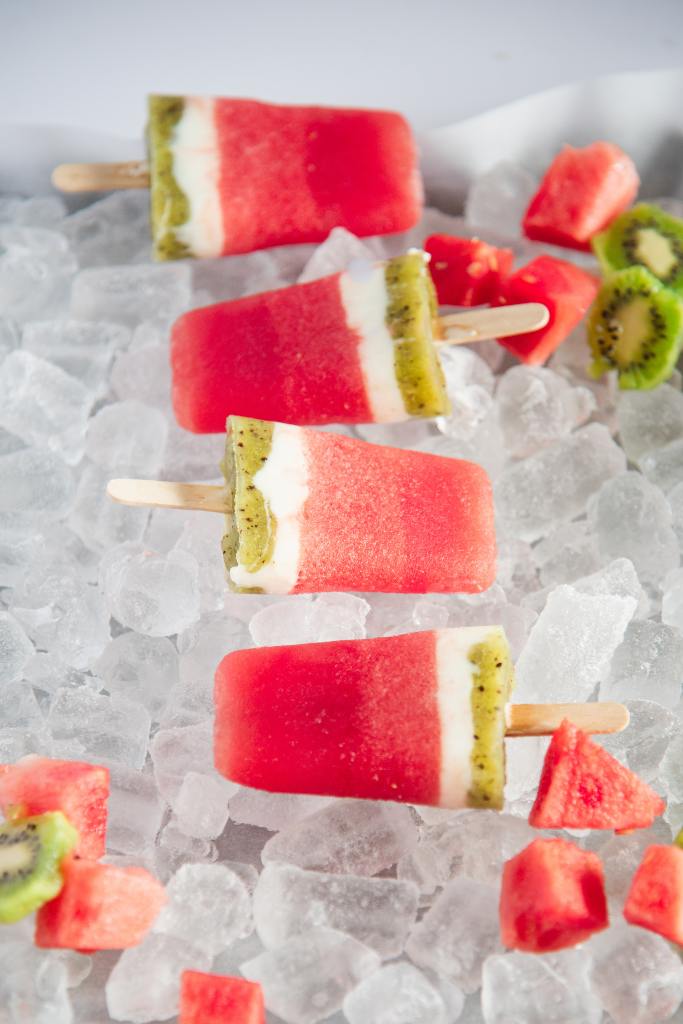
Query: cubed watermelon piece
(216, 999)
(655, 899)
(582, 191)
(582, 786)
(566, 290)
(552, 896)
(466, 271)
(79, 790)
(100, 907)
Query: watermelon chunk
(655, 899)
(466, 271)
(216, 999)
(582, 786)
(566, 290)
(100, 907)
(35, 785)
(581, 192)
(552, 896)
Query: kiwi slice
(647, 237)
(31, 854)
(169, 206)
(413, 322)
(491, 689)
(250, 527)
(635, 327)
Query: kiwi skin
(624, 244)
(661, 342)
(43, 841)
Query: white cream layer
(283, 482)
(196, 169)
(365, 298)
(456, 675)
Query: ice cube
(113, 230)
(672, 599)
(632, 519)
(272, 810)
(145, 984)
(643, 745)
(83, 350)
(135, 812)
(153, 594)
(127, 295)
(36, 267)
(570, 646)
(174, 849)
(539, 407)
(355, 837)
(208, 907)
(93, 727)
(100, 522)
(621, 855)
(649, 419)
(664, 466)
(143, 374)
(36, 212)
(675, 499)
(33, 985)
(175, 752)
(43, 405)
(191, 456)
(376, 911)
(637, 975)
(647, 665)
(457, 933)
(36, 487)
(307, 978)
(15, 649)
(566, 554)
(140, 668)
(201, 538)
(671, 769)
(497, 200)
(534, 989)
(340, 250)
(306, 620)
(23, 729)
(127, 437)
(537, 494)
(201, 806)
(396, 994)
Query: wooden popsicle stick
(101, 177)
(164, 494)
(498, 322)
(544, 719)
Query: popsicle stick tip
(496, 322)
(544, 719)
(101, 177)
(166, 494)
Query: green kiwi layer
(170, 207)
(251, 526)
(31, 854)
(491, 688)
(635, 327)
(644, 236)
(412, 320)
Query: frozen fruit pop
(417, 718)
(354, 347)
(310, 511)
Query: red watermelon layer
(286, 355)
(552, 896)
(582, 191)
(290, 174)
(582, 786)
(466, 271)
(100, 907)
(215, 999)
(385, 519)
(567, 292)
(38, 784)
(655, 900)
(344, 718)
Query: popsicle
(234, 175)
(419, 717)
(308, 511)
(355, 347)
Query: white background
(89, 63)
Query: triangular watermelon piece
(218, 999)
(655, 899)
(582, 786)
